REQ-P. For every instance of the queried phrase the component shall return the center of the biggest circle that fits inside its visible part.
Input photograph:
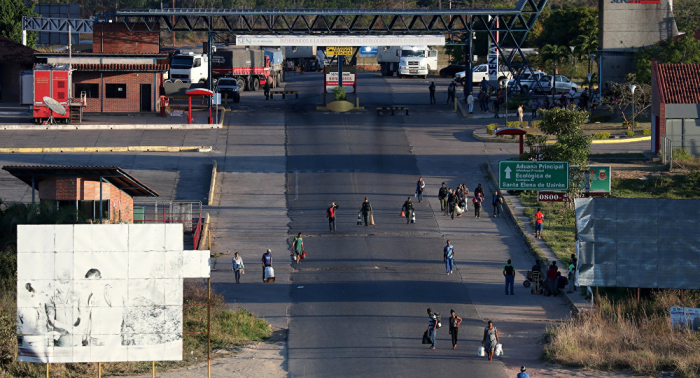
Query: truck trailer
(250, 67)
(305, 57)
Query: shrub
(601, 118)
(491, 129)
(339, 93)
(628, 124)
(646, 132)
(516, 124)
(534, 123)
(681, 154)
(630, 134)
(601, 135)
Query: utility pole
(172, 21)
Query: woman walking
(455, 321)
(237, 266)
(490, 339)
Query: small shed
(96, 193)
(675, 107)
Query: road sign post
(533, 175)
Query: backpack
(437, 319)
(500, 199)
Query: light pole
(572, 62)
(632, 88)
(588, 104)
(504, 83)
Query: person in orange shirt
(539, 218)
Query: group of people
(552, 279)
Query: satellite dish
(54, 106)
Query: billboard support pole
(153, 369)
(99, 370)
(209, 327)
(47, 370)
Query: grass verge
(228, 330)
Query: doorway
(145, 97)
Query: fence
(189, 213)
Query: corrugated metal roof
(679, 83)
(120, 67)
(116, 176)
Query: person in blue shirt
(522, 373)
(449, 255)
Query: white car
(556, 84)
(481, 72)
(528, 81)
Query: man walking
(330, 214)
(298, 247)
(431, 88)
(552, 279)
(470, 102)
(451, 89)
(539, 219)
(522, 373)
(407, 209)
(266, 261)
(266, 89)
(420, 186)
(509, 273)
(432, 327)
(442, 196)
(478, 199)
(453, 200)
(497, 203)
(449, 255)
(366, 211)
(520, 114)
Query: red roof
(117, 67)
(678, 83)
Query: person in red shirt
(330, 214)
(539, 218)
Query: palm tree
(555, 54)
(585, 45)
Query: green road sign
(533, 175)
(598, 179)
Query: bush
(601, 135)
(630, 134)
(601, 118)
(491, 129)
(516, 124)
(628, 124)
(340, 94)
(534, 123)
(646, 132)
(680, 154)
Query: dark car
(452, 69)
(229, 86)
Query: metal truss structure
(508, 28)
(56, 25)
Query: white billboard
(340, 40)
(102, 293)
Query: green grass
(682, 186)
(559, 236)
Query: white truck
(407, 60)
(305, 57)
(189, 68)
(482, 72)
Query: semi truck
(276, 57)
(305, 57)
(250, 67)
(188, 68)
(407, 60)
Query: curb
(482, 138)
(203, 235)
(39, 150)
(479, 134)
(627, 140)
(112, 127)
(212, 184)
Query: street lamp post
(632, 88)
(588, 105)
(573, 61)
(504, 83)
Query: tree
(585, 45)
(687, 15)
(684, 50)
(563, 26)
(555, 55)
(11, 12)
(621, 98)
(571, 145)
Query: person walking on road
(266, 89)
(571, 272)
(449, 255)
(330, 214)
(266, 261)
(509, 274)
(479, 190)
(420, 187)
(432, 327)
(407, 209)
(520, 114)
(552, 279)
(431, 88)
(497, 107)
(470, 102)
(451, 89)
(478, 199)
(298, 247)
(497, 203)
(237, 267)
(539, 220)
(442, 196)
(366, 211)
(453, 201)
(490, 339)
(522, 373)
(455, 321)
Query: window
(197, 62)
(91, 90)
(115, 90)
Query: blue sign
(368, 51)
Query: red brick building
(118, 39)
(88, 190)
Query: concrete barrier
(203, 237)
(212, 184)
(53, 150)
(164, 126)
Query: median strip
(46, 150)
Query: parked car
(556, 84)
(452, 69)
(528, 81)
(229, 86)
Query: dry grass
(367, 67)
(622, 335)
